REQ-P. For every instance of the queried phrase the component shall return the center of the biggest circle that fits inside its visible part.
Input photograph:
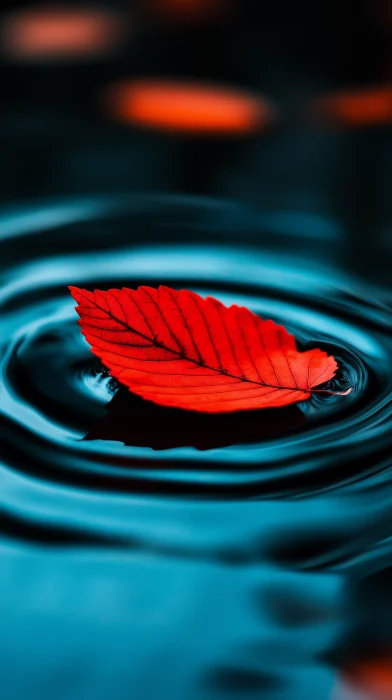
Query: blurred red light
(58, 33)
(188, 10)
(182, 107)
(373, 106)
(368, 680)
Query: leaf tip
(75, 292)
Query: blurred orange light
(187, 108)
(59, 32)
(357, 108)
(369, 680)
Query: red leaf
(177, 349)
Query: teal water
(148, 554)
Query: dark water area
(153, 553)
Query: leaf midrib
(199, 364)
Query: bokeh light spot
(183, 107)
(372, 106)
(189, 10)
(369, 679)
(59, 32)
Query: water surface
(151, 553)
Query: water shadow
(139, 423)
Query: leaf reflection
(134, 421)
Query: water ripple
(56, 394)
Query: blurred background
(277, 104)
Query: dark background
(58, 139)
